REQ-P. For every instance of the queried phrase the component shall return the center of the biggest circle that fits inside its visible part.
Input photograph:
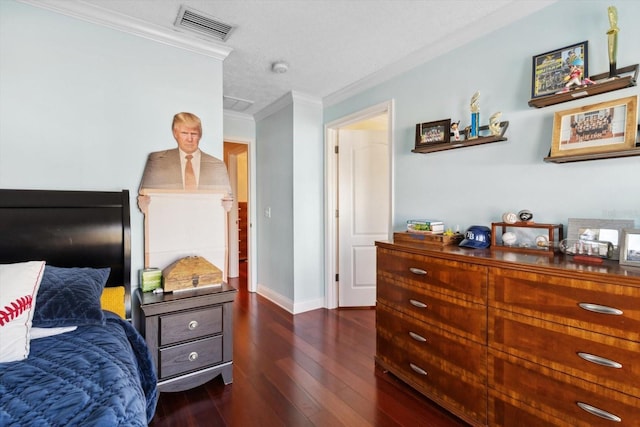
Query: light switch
(267, 212)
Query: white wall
(476, 185)
(81, 105)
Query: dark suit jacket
(163, 171)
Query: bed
(66, 359)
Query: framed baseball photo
(552, 70)
(598, 128)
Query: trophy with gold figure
(613, 40)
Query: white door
(363, 212)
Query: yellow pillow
(112, 299)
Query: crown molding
(285, 100)
(91, 13)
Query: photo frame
(437, 132)
(630, 247)
(550, 69)
(597, 128)
(606, 230)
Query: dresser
(511, 339)
(190, 335)
(243, 227)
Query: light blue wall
(308, 205)
(274, 191)
(290, 177)
(81, 105)
(475, 185)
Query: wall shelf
(467, 142)
(627, 77)
(595, 156)
(598, 156)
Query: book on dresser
(425, 226)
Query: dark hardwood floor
(311, 369)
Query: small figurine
(494, 123)
(455, 131)
(575, 77)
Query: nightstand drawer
(190, 325)
(190, 356)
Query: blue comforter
(93, 376)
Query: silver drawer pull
(599, 412)
(193, 324)
(600, 360)
(417, 337)
(418, 369)
(193, 356)
(417, 271)
(418, 303)
(601, 309)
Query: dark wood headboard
(69, 229)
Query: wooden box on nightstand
(190, 335)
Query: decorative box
(191, 273)
(528, 237)
(438, 240)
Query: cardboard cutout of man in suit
(176, 169)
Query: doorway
(359, 182)
(236, 157)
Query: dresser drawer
(398, 333)
(505, 411)
(439, 381)
(453, 278)
(551, 392)
(610, 361)
(190, 325)
(596, 306)
(461, 317)
(191, 356)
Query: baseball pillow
(19, 283)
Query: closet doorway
(236, 157)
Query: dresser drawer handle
(600, 360)
(598, 412)
(418, 303)
(418, 369)
(193, 324)
(601, 309)
(193, 356)
(417, 337)
(417, 271)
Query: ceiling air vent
(235, 104)
(193, 20)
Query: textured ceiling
(331, 46)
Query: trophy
(475, 115)
(613, 39)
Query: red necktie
(189, 175)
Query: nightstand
(190, 335)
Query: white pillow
(19, 285)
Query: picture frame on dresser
(607, 230)
(603, 127)
(630, 247)
(437, 132)
(550, 68)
